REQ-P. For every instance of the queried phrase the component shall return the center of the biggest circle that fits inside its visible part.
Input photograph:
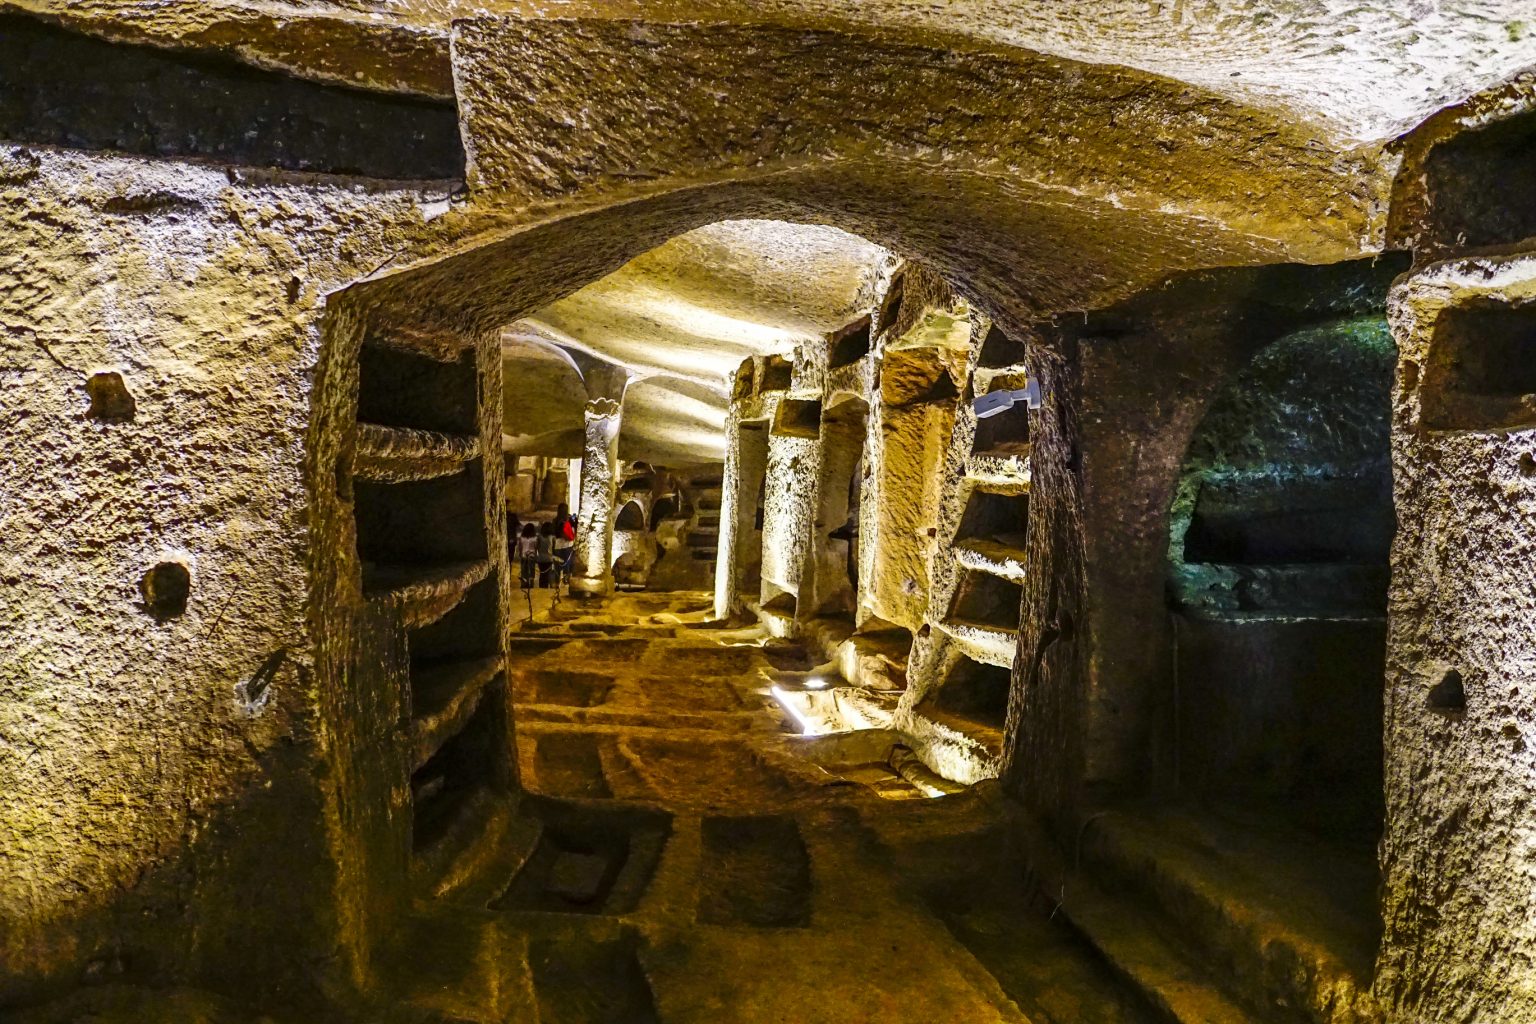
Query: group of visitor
(545, 552)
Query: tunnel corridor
(694, 512)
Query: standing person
(544, 552)
(514, 534)
(565, 538)
(528, 553)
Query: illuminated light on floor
(816, 683)
(786, 701)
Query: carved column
(604, 414)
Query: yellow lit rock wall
(1460, 696)
(154, 766)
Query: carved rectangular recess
(798, 417)
(60, 88)
(589, 859)
(976, 692)
(467, 633)
(1001, 517)
(851, 344)
(987, 600)
(1480, 371)
(756, 872)
(435, 521)
(581, 979)
(999, 350)
(1482, 185)
(778, 374)
(1007, 433)
(466, 764)
(398, 388)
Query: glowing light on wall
(787, 701)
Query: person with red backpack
(565, 540)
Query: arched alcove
(630, 518)
(1280, 532)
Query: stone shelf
(398, 454)
(475, 818)
(443, 698)
(426, 592)
(1000, 472)
(1003, 557)
(990, 645)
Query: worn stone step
(1169, 978)
(1285, 916)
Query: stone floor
(685, 854)
(698, 860)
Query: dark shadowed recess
(58, 88)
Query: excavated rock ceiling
(682, 317)
(1360, 70)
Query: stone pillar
(599, 487)
(599, 474)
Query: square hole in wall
(987, 600)
(850, 344)
(999, 350)
(975, 692)
(397, 388)
(467, 632)
(1482, 185)
(422, 522)
(798, 418)
(778, 374)
(1000, 517)
(1480, 373)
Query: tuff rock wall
(158, 750)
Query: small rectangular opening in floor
(569, 764)
(756, 872)
(564, 687)
(588, 860)
(582, 979)
(721, 661)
